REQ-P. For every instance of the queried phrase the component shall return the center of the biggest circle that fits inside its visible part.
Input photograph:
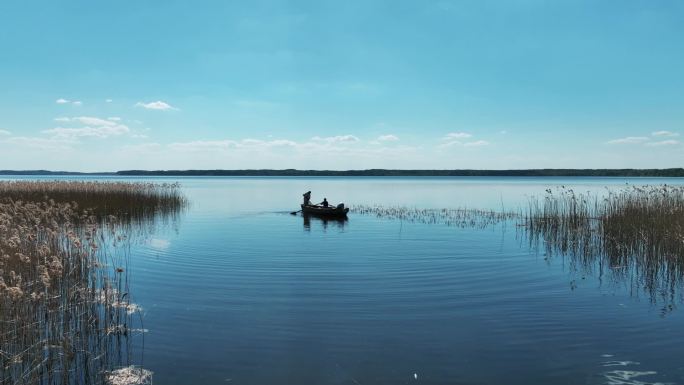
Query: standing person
(307, 198)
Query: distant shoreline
(668, 172)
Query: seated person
(325, 202)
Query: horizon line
(605, 172)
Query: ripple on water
(629, 377)
(260, 297)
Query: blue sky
(101, 86)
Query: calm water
(241, 292)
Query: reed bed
(125, 202)
(66, 315)
(460, 217)
(633, 235)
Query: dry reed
(634, 235)
(125, 202)
(65, 310)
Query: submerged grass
(462, 217)
(65, 308)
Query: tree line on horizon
(547, 172)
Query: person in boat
(307, 198)
(325, 202)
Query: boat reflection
(335, 222)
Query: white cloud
(203, 145)
(388, 138)
(90, 121)
(664, 133)
(281, 143)
(477, 143)
(39, 143)
(456, 143)
(65, 101)
(669, 142)
(457, 135)
(87, 120)
(92, 127)
(255, 143)
(646, 141)
(108, 100)
(158, 105)
(96, 132)
(450, 143)
(224, 145)
(143, 147)
(239, 150)
(454, 139)
(64, 138)
(114, 119)
(336, 139)
(629, 140)
(250, 142)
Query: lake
(239, 291)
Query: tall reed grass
(66, 315)
(633, 235)
(126, 202)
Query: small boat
(330, 211)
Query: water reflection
(633, 237)
(587, 253)
(68, 312)
(324, 222)
(643, 252)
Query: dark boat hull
(320, 211)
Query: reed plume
(633, 235)
(65, 308)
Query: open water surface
(238, 291)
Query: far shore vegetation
(549, 172)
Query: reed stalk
(66, 315)
(633, 235)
